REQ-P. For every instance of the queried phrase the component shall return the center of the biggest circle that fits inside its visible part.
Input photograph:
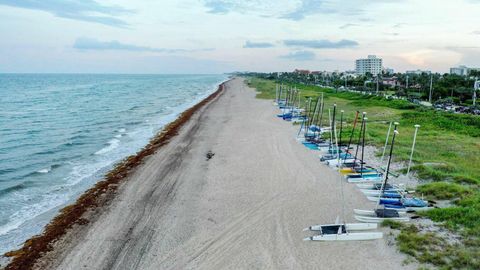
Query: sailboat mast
(386, 143)
(351, 135)
(281, 91)
(341, 127)
(312, 119)
(321, 112)
(277, 91)
(360, 135)
(413, 148)
(334, 129)
(363, 146)
(395, 132)
(332, 125)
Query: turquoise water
(60, 133)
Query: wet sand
(245, 208)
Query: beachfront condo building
(462, 70)
(372, 64)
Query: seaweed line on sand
(34, 248)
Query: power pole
(377, 83)
(431, 89)
(406, 87)
(476, 86)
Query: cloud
(81, 10)
(476, 32)
(468, 55)
(94, 44)
(366, 19)
(261, 8)
(321, 43)
(300, 56)
(399, 25)
(347, 25)
(250, 44)
(460, 48)
(391, 34)
(219, 6)
(306, 7)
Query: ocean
(60, 133)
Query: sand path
(243, 209)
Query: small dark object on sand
(210, 154)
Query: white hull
(324, 150)
(416, 209)
(300, 138)
(370, 186)
(365, 180)
(294, 110)
(346, 236)
(374, 192)
(297, 120)
(373, 198)
(376, 198)
(349, 227)
(371, 213)
(335, 162)
(378, 220)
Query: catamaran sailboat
(342, 231)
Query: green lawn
(446, 158)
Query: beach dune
(244, 208)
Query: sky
(217, 36)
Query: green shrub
(464, 179)
(435, 172)
(392, 224)
(465, 214)
(443, 190)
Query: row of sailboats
(391, 201)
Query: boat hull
(365, 180)
(335, 162)
(380, 219)
(372, 192)
(349, 227)
(384, 200)
(371, 213)
(346, 237)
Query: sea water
(60, 133)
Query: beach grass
(446, 160)
(431, 249)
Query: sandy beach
(245, 208)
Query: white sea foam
(112, 144)
(46, 170)
(48, 202)
(33, 207)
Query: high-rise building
(389, 70)
(418, 72)
(371, 64)
(462, 70)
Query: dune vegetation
(446, 162)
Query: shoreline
(99, 195)
(244, 207)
